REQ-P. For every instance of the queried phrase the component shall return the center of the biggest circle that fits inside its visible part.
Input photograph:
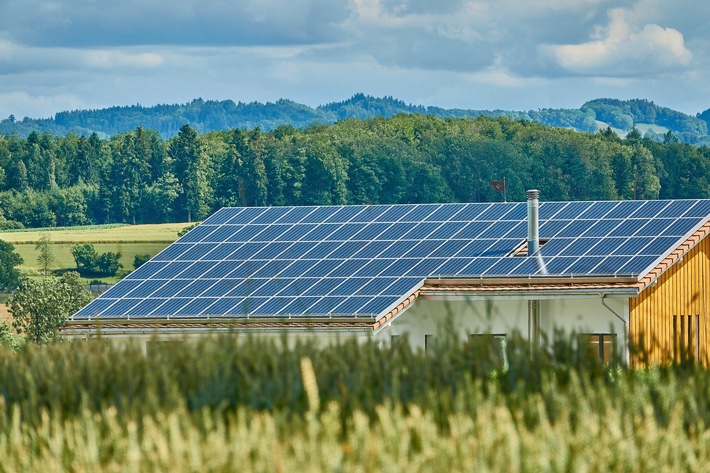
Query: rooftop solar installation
(362, 260)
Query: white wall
(427, 317)
(144, 338)
(579, 315)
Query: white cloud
(17, 58)
(622, 49)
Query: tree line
(137, 177)
(213, 115)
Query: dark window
(686, 337)
(428, 342)
(490, 346)
(601, 344)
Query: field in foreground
(259, 405)
(129, 240)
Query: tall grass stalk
(258, 405)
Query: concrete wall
(578, 315)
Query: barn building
(617, 273)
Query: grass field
(236, 404)
(129, 240)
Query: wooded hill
(137, 177)
(204, 116)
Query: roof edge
(674, 256)
(221, 322)
(529, 281)
(394, 312)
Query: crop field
(129, 240)
(243, 404)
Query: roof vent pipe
(533, 228)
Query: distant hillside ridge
(212, 115)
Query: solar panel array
(363, 260)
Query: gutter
(473, 294)
(111, 332)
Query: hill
(211, 115)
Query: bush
(8, 338)
(185, 230)
(85, 257)
(139, 260)
(107, 263)
(89, 262)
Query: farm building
(616, 273)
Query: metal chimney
(533, 247)
(533, 226)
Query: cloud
(420, 35)
(620, 49)
(17, 58)
(455, 53)
(101, 23)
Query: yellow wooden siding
(660, 316)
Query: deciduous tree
(40, 306)
(45, 256)
(9, 274)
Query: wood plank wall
(669, 318)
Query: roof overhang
(529, 288)
(111, 327)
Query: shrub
(85, 257)
(139, 260)
(185, 230)
(107, 263)
(89, 262)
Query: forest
(652, 120)
(138, 177)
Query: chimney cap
(532, 194)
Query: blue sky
(480, 54)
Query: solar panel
(362, 260)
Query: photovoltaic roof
(362, 260)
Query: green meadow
(129, 240)
(240, 404)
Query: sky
(476, 54)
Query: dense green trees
(9, 274)
(192, 169)
(209, 115)
(138, 177)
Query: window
(155, 347)
(490, 346)
(428, 342)
(601, 344)
(686, 337)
